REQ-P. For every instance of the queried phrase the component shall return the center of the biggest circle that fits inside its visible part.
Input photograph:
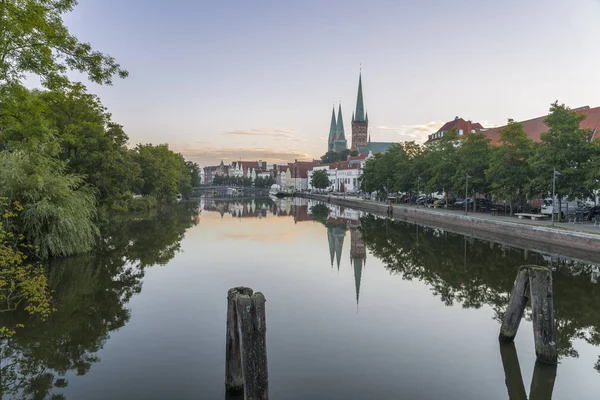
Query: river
(358, 307)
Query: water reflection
(542, 382)
(483, 273)
(90, 294)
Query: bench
(534, 217)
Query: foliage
(264, 182)
(380, 172)
(142, 204)
(567, 148)
(92, 292)
(58, 208)
(332, 156)
(474, 157)
(22, 284)
(320, 179)
(194, 169)
(163, 173)
(320, 213)
(34, 39)
(441, 162)
(475, 273)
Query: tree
(473, 157)
(58, 208)
(163, 173)
(509, 170)
(567, 148)
(34, 39)
(441, 163)
(320, 179)
(194, 173)
(90, 142)
(332, 156)
(22, 284)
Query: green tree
(34, 39)
(473, 156)
(509, 171)
(90, 143)
(567, 148)
(58, 208)
(22, 284)
(441, 163)
(320, 179)
(161, 171)
(194, 173)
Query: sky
(257, 80)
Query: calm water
(357, 308)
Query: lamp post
(466, 194)
(418, 187)
(554, 175)
(387, 190)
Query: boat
(276, 191)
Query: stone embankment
(577, 241)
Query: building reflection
(337, 221)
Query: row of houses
(533, 128)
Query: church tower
(332, 127)
(360, 121)
(340, 137)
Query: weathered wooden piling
(246, 348)
(542, 305)
(516, 306)
(533, 282)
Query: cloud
(405, 133)
(286, 134)
(212, 155)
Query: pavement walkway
(585, 227)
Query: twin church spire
(360, 119)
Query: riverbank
(578, 241)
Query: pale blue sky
(257, 79)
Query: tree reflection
(91, 292)
(476, 272)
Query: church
(361, 141)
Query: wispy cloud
(286, 134)
(405, 133)
(209, 155)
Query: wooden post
(512, 372)
(246, 349)
(234, 382)
(536, 282)
(516, 306)
(544, 332)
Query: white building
(344, 175)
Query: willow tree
(58, 208)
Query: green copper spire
(367, 117)
(352, 116)
(359, 115)
(332, 129)
(339, 132)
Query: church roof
(339, 131)
(359, 115)
(332, 127)
(376, 147)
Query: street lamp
(466, 194)
(418, 187)
(554, 175)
